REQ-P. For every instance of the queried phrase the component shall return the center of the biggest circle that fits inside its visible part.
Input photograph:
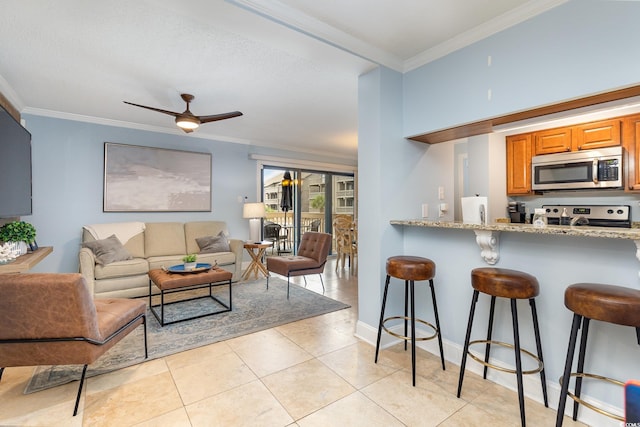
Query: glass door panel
(316, 198)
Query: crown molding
(305, 24)
(171, 131)
(489, 28)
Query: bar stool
(514, 285)
(410, 269)
(607, 303)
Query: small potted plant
(19, 231)
(189, 261)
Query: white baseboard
(532, 383)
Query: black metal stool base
(411, 319)
(407, 338)
(502, 368)
(591, 405)
(516, 346)
(565, 378)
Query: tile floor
(309, 373)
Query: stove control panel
(601, 215)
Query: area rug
(254, 309)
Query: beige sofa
(151, 245)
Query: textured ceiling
(290, 66)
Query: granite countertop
(585, 231)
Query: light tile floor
(309, 373)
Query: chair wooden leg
(1, 371)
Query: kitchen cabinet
(552, 141)
(587, 136)
(631, 138)
(605, 133)
(519, 164)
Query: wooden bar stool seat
(594, 301)
(410, 269)
(513, 285)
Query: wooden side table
(256, 250)
(27, 261)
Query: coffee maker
(517, 212)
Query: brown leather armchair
(311, 258)
(51, 319)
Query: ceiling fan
(186, 120)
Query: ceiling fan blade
(171, 113)
(216, 117)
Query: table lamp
(254, 211)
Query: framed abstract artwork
(148, 179)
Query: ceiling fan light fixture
(186, 122)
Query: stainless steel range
(592, 215)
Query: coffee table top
(165, 280)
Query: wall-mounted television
(15, 167)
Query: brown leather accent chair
(311, 258)
(52, 319)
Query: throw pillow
(210, 244)
(108, 250)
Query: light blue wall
(68, 159)
(379, 172)
(579, 48)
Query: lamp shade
(253, 210)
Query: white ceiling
(291, 66)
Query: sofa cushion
(108, 250)
(164, 238)
(130, 267)
(213, 244)
(196, 229)
(135, 245)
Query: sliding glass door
(315, 198)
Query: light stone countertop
(584, 231)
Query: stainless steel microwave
(580, 170)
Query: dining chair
(272, 233)
(345, 234)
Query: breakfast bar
(558, 256)
(487, 235)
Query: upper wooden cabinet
(605, 133)
(552, 141)
(631, 139)
(519, 165)
(587, 136)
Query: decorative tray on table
(180, 268)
